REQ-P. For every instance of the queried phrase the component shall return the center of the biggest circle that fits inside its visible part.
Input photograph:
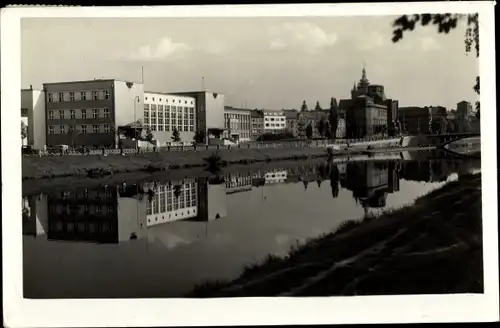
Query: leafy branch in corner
(445, 23)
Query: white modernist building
(274, 121)
(164, 113)
(33, 116)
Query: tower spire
(363, 75)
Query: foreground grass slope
(432, 247)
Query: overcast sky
(266, 62)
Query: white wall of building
(159, 110)
(131, 217)
(128, 100)
(34, 102)
(214, 110)
(274, 121)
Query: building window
(61, 114)
(71, 128)
(84, 113)
(167, 124)
(71, 96)
(106, 112)
(106, 128)
(105, 94)
(61, 96)
(95, 128)
(50, 97)
(83, 129)
(51, 129)
(72, 114)
(51, 114)
(153, 98)
(153, 120)
(95, 95)
(62, 129)
(95, 113)
(83, 95)
(153, 127)
(160, 127)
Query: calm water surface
(159, 240)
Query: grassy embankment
(432, 247)
(47, 167)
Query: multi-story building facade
(291, 118)
(33, 116)
(257, 120)
(464, 116)
(237, 124)
(423, 120)
(365, 118)
(274, 121)
(89, 112)
(209, 113)
(165, 113)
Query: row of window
(167, 108)
(81, 209)
(240, 117)
(273, 119)
(83, 113)
(80, 128)
(78, 96)
(166, 100)
(275, 125)
(166, 201)
(168, 125)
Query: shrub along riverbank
(97, 166)
(432, 247)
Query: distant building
(33, 116)
(423, 120)
(237, 124)
(257, 121)
(464, 116)
(164, 113)
(89, 112)
(274, 121)
(313, 119)
(291, 119)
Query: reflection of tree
(319, 183)
(305, 184)
(334, 180)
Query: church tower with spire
(362, 87)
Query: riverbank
(97, 166)
(432, 247)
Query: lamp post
(135, 121)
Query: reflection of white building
(172, 202)
(275, 176)
(35, 215)
(238, 182)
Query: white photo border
(20, 312)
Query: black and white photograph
(230, 158)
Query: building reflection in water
(124, 212)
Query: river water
(160, 240)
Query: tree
(175, 135)
(318, 106)
(199, 137)
(24, 131)
(149, 135)
(309, 131)
(301, 126)
(321, 127)
(303, 108)
(333, 118)
(445, 23)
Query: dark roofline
(165, 93)
(87, 81)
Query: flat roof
(165, 93)
(87, 81)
